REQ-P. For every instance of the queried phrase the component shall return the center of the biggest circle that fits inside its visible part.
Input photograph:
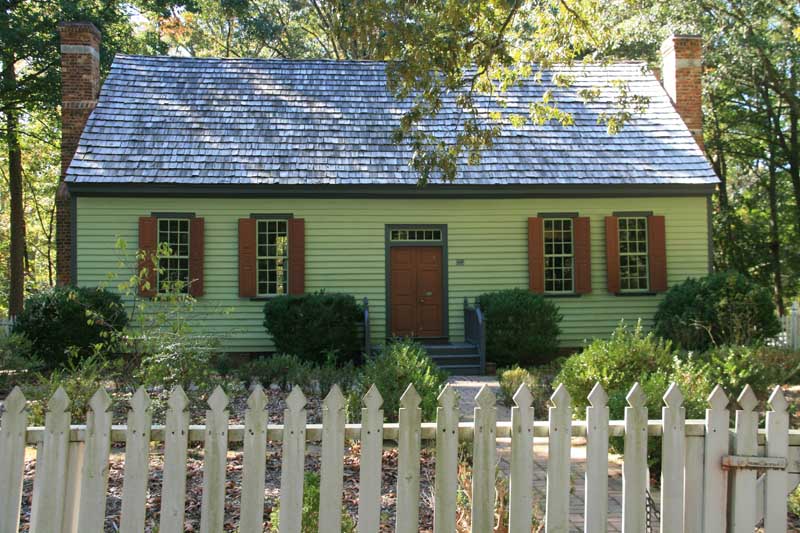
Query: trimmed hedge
(521, 327)
(313, 326)
(722, 308)
(62, 318)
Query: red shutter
(657, 253)
(148, 247)
(196, 256)
(612, 254)
(535, 255)
(297, 256)
(583, 255)
(247, 258)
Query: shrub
(312, 325)
(309, 522)
(400, 363)
(510, 380)
(63, 317)
(521, 327)
(170, 358)
(281, 369)
(17, 363)
(722, 308)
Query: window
(273, 257)
(422, 234)
(173, 266)
(633, 263)
(558, 258)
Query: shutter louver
(583, 254)
(535, 256)
(147, 264)
(196, 256)
(247, 258)
(657, 253)
(612, 254)
(297, 256)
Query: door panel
(416, 291)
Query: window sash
(566, 260)
(173, 267)
(281, 260)
(415, 235)
(635, 254)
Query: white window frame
(164, 271)
(645, 254)
(561, 255)
(265, 221)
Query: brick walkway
(468, 387)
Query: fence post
(212, 505)
(253, 463)
(94, 478)
(743, 488)
(715, 479)
(332, 465)
(596, 480)
(12, 458)
(777, 426)
(51, 467)
(293, 464)
(446, 480)
(176, 441)
(558, 462)
(137, 448)
(484, 453)
(520, 489)
(408, 446)
(634, 465)
(369, 478)
(673, 460)
(793, 332)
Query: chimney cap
(77, 27)
(669, 42)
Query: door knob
(422, 300)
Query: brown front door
(416, 291)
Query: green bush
(511, 378)
(521, 327)
(62, 317)
(309, 523)
(400, 363)
(280, 369)
(312, 325)
(170, 358)
(17, 364)
(722, 308)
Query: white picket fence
(790, 323)
(701, 460)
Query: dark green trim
(390, 191)
(710, 226)
(388, 245)
(73, 247)
(632, 213)
(271, 216)
(171, 215)
(557, 215)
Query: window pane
(633, 254)
(557, 255)
(273, 249)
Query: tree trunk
(774, 234)
(16, 293)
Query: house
(269, 177)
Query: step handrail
(475, 330)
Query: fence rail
(699, 457)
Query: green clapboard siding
(345, 252)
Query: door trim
(388, 274)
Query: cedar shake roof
(249, 121)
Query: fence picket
(558, 462)
(484, 453)
(13, 423)
(173, 488)
(520, 488)
(369, 478)
(673, 459)
(743, 487)
(408, 447)
(254, 463)
(715, 479)
(777, 426)
(332, 462)
(293, 464)
(137, 448)
(212, 506)
(596, 480)
(446, 480)
(94, 477)
(634, 464)
(49, 486)
(693, 486)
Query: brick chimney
(681, 76)
(80, 85)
